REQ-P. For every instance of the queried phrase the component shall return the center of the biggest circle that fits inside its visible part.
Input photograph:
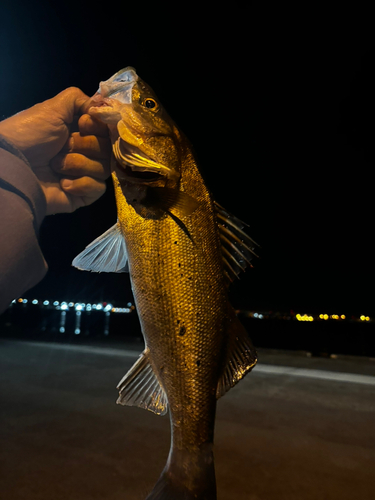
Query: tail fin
(187, 476)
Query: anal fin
(240, 359)
(141, 387)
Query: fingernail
(66, 183)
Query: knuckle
(73, 90)
(84, 121)
(76, 160)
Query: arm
(22, 209)
(45, 168)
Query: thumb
(69, 103)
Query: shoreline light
(305, 317)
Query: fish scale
(186, 296)
(182, 250)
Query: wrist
(8, 145)
(17, 176)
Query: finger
(90, 145)
(88, 125)
(71, 101)
(77, 165)
(87, 187)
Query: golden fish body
(181, 299)
(196, 349)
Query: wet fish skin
(196, 348)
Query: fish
(182, 250)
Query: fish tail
(187, 476)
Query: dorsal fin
(237, 246)
(106, 254)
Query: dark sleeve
(22, 209)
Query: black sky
(279, 106)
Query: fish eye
(150, 103)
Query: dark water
(321, 338)
(318, 337)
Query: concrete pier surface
(296, 428)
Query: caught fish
(182, 249)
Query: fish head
(145, 140)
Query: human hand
(71, 166)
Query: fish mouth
(137, 166)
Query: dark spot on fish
(179, 265)
(181, 275)
(175, 242)
(189, 278)
(198, 362)
(178, 321)
(182, 330)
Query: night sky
(279, 106)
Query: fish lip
(139, 167)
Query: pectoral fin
(240, 358)
(140, 387)
(106, 254)
(177, 202)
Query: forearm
(22, 209)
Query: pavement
(296, 428)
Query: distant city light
(305, 317)
(364, 318)
(120, 310)
(108, 308)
